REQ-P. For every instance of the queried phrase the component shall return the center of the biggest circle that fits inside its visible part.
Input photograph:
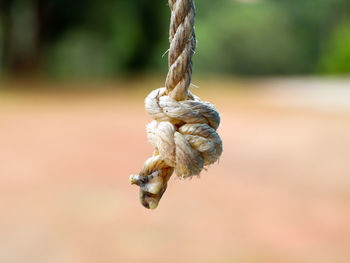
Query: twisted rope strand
(183, 133)
(182, 46)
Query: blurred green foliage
(336, 55)
(250, 39)
(64, 38)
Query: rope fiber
(183, 133)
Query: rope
(183, 133)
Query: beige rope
(183, 132)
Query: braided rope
(183, 133)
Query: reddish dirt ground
(280, 193)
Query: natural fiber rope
(183, 132)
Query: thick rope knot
(183, 133)
(184, 138)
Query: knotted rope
(183, 132)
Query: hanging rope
(183, 132)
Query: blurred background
(73, 78)
(61, 38)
